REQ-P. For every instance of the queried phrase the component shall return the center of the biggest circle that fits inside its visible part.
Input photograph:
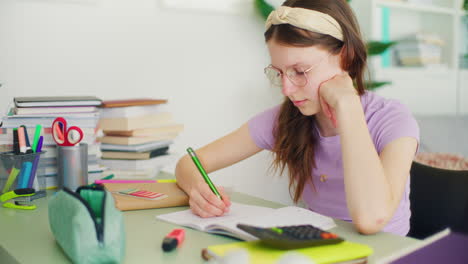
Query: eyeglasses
(294, 73)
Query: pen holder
(72, 166)
(21, 171)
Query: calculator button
(292, 237)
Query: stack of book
(419, 50)
(421, 2)
(137, 136)
(79, 111)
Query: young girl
(348, 152)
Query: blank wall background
(209, 65)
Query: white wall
(209, 66)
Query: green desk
(25, 236)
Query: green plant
(377, 47)
(374, 48)
(263, 8)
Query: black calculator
(292, 237)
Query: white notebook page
(252, 215)
(237, 211)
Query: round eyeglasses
(294, 73)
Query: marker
(33, 172)
(26, 138)
(39, 144)
(37, 134)
(16, 149)
(22, 141)
(166, 180)
(200, 168)
(36, 162)
(13, 174)
(173, 239)
(24, 175)
(123, 181)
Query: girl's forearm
(368, 192)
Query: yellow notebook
(344, 252)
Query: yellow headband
(306, 19)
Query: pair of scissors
(63, 136)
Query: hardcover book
(47, 101)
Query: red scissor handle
(63, 136)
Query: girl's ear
(347, 57)
(342, 51)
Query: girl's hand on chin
(334, 91)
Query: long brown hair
(295, 134)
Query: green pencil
(200, 168)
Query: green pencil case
(87, 226)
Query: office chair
(439, 199)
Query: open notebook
(249, 214)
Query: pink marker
(22, 140)
(173, 239)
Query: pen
(200, 168)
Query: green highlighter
(200, 168)
(37, 135)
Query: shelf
(462, 12)
(395, 72)
(417, 7)
(396, 19)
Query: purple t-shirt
(386, 119)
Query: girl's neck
(325, 125)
